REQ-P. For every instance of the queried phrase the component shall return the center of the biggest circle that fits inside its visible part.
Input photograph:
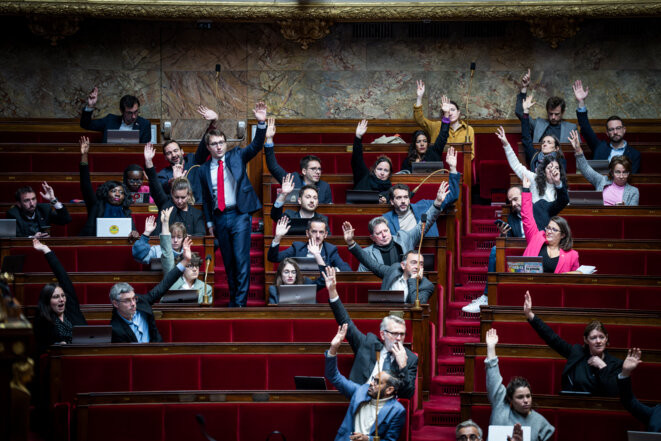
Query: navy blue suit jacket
(300, 249)
(113, 122)
(237, 158)
(190, 160)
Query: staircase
(439, 416)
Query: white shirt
(230, 183)
(407, 220)
(401, 284)
(366, 415)
(378, 367)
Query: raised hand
(527, 306)
(442, 193)
(445, 105)
(420, 89)
(187, 254)
(84, 145)
(93, 97)
(500, 133)
(526, 182)
(48, 194)
(525, 80)
(133, 236)
(150, 225)
(337, 340)
(451, 160)
(270, 130)
(208, 114)
(400, 354)
(282, 227)
(575, 141)
(37, 245)
(517, 433)
(149, 154)
(361, 129)
(632, 361)
(260, 111)
(348, 232)
(314, 248)
(330, 279)
(528, 103)
(287, 184)
(580, 93)
(491, 338)
(178, 171)
(165, 215)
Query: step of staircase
(462, 328)
(484, 211)
(483, 226)
(442, 411)
(453, 346)
(475, 258)
(450, 365)
(470, 275)
(447, 385)
(454, 312)
(475, 242)
(434, 433)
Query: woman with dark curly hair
(109, 200)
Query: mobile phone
(498, 222)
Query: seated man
(359, 421)
(316, 232)
(129, 119)
(388, 249)
(398, 276)
(132, 316)
(395, 357)
(554, 124)
(650, 416)
(468, 431)
(33, 219)
(310, 168)
(615, 131)
(308, 200)
(406, 215)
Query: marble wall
(170, 66)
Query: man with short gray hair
(468, 431)
(132, 316)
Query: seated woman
(289, 273)
(589, 368)
(550, 144)
(144, 253)
(615, 187)
(58, 310)
(181, 197)
(133, 181)
(513, 404)
(376, 178)
(548, 176)
(110, 199)
(553, 244)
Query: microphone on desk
(423, 224)
(203, 427)
(205, 299)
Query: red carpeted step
(450, 365)
(454, 312)
(478, 242)
(476, 258)
(434, 433)
(442, 411)
(447, 385)
(453, 346)
(467, 276)
(484, 211)
(462, 328)
(483, 226)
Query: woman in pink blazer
(553, 244)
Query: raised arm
(418, 114)
(593, 177)
(85, 181)
(526, 133)
(551, 338)
(155, 187)
(495, 389)
(530, 229)
(581, 93)
(86, 121)
(260, 134)
(61, 275)
(59, 216)
(525, 82)
(379, 269)
(167, 256)
(358, 165)
(269, 153)
(519, 169)
(157, 292)
(442, 138)
(354, 336)
(629, 401)
(341, 383)
(285, 191)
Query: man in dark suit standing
(229, 201)
(128, 120)
(394, 358)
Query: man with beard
(358, 423)
(33, 219)
(615, 131)
(308, 201)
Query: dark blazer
(113, 122)
(122, 332)
(514, 221)
(274, 296)
(192, 218)
(602, 149)
(544, 210)
(392, 415)
(539, 125)
(237, 158)
(45, 216)
(95, 207)
(300, 249)
(391, 273)
(650, 416)
(364, 347)
(45, 331)
(279, 173)
(434, 152)
(577, 357)
(190, 160)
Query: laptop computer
(297, 226)
(307, 263)
(7, 227)
(297, 294)
(181, 296)
(633, 435)
(309, 383)
(156, 264)
(426, 167)
(587, 197)
(123, 136)
(113, 226)
(91, 334)
(362, 197)
(379, 296)
(524, 264)
(599, 165)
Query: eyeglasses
(137, 181)
(614, 129)
(551, 230)
(128, 301)
(396, 334)
(471, 437)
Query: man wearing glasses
(394, 357)
(470, 431)
(615, 131)
(128, 120)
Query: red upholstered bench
(13, 162)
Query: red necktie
(220, 186)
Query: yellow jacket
(434, 128)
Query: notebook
(91, 334)
(7, 227)
(113, 226)
(309, 383)
(297, 294)
(181, 296)
(362, 197)
(523, 264)
(123, 136)
(588, 197)
(500, 433)
(426, 167)
(379, 296)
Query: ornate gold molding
(554, 31)
(336, 12)
(305, 32)
(53, 29)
